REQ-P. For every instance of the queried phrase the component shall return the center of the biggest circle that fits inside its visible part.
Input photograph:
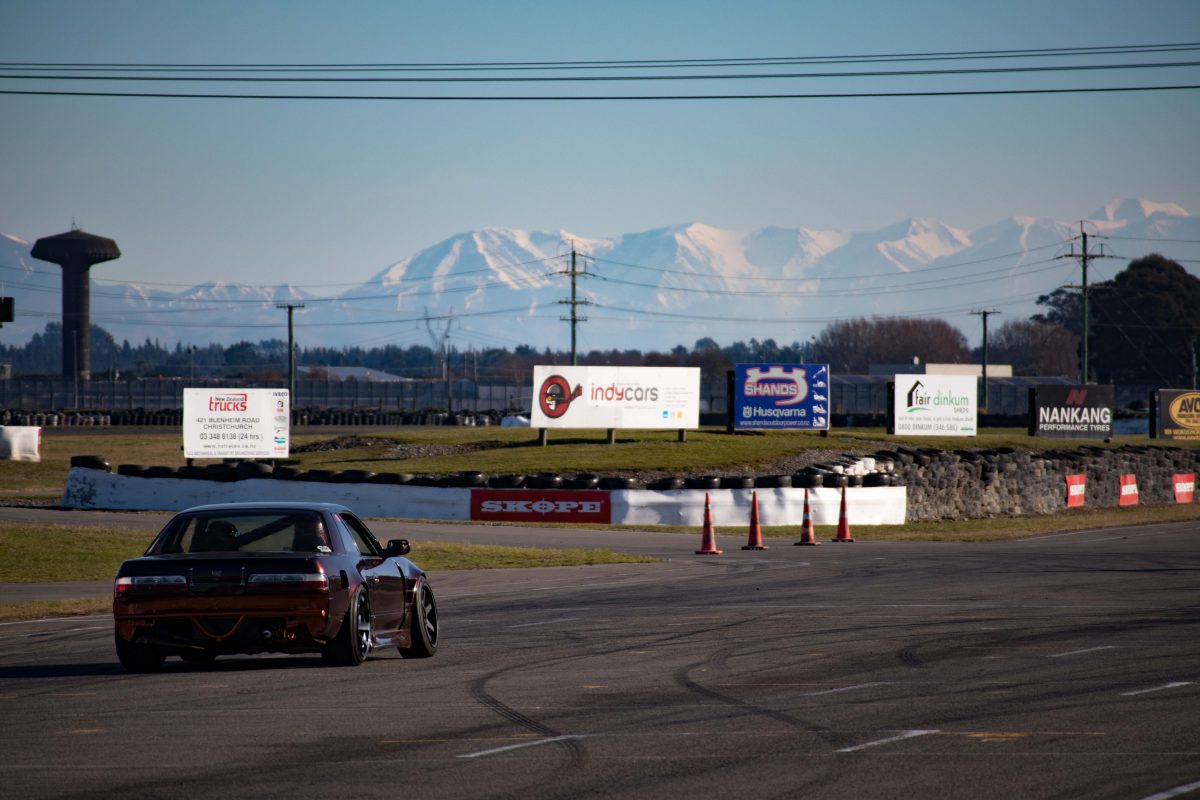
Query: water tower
(76, 252)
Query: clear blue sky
(316, 192)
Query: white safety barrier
(876, 505)
(89, 488)
(21, 442)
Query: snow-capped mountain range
(650, 290)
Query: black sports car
(271, 577)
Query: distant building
(317, 372)
(994, 370)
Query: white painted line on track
(1176, 792)
(1164, 687)
(846, 689)
(889, 740)
(546, 622)
(519, 745)
(1081, 652)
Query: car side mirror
(398, 547)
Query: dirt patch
(394, 450)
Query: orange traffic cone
(807, 535)
(843, 531)
(708, 544)
(755, 542)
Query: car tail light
(289, 580)
(149, 583)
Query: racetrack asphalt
(1064, 666)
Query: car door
(385, 583)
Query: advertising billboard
(615, 397)
(1178, 415)
(777, 396)
(934, 405)
(236, 423)
(1071, 412)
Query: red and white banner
(1076, 489)
(1184, 486)
(1129, 492)
(541, 505)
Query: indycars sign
(236, 423)
(615, 397)
(532, 505)
(781, 396)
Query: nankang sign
(1178, 415)
(794, 396)
(934, 405)
(615, 397)
(1071, 412)
(235, 423)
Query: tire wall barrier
(97, 489)
(937, 485)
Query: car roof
(331, 508)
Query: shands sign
(1071, 412)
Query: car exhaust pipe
(267, 634)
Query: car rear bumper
(241, 624)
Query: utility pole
(291, 308)
(1084, 257)
(440, 343)
(985, 314)
(574, 303)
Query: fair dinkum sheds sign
(1071, 412)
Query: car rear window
(244, 531)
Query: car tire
(138, 657)
(353, 642)
(424, 625)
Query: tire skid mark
(479, 690)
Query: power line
(917, 73)
(621, 63)
(607, 98)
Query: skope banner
(615, 397)
(1072, 412)
(1178, 415)
(531, 505)
(794, 396)
(236, 423)
(935, 405)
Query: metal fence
(849, 394)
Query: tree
(851, 346)
(1035, 348)
(1146, 324)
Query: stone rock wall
(964, 484)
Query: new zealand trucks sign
(778, 396)
(235, 423)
